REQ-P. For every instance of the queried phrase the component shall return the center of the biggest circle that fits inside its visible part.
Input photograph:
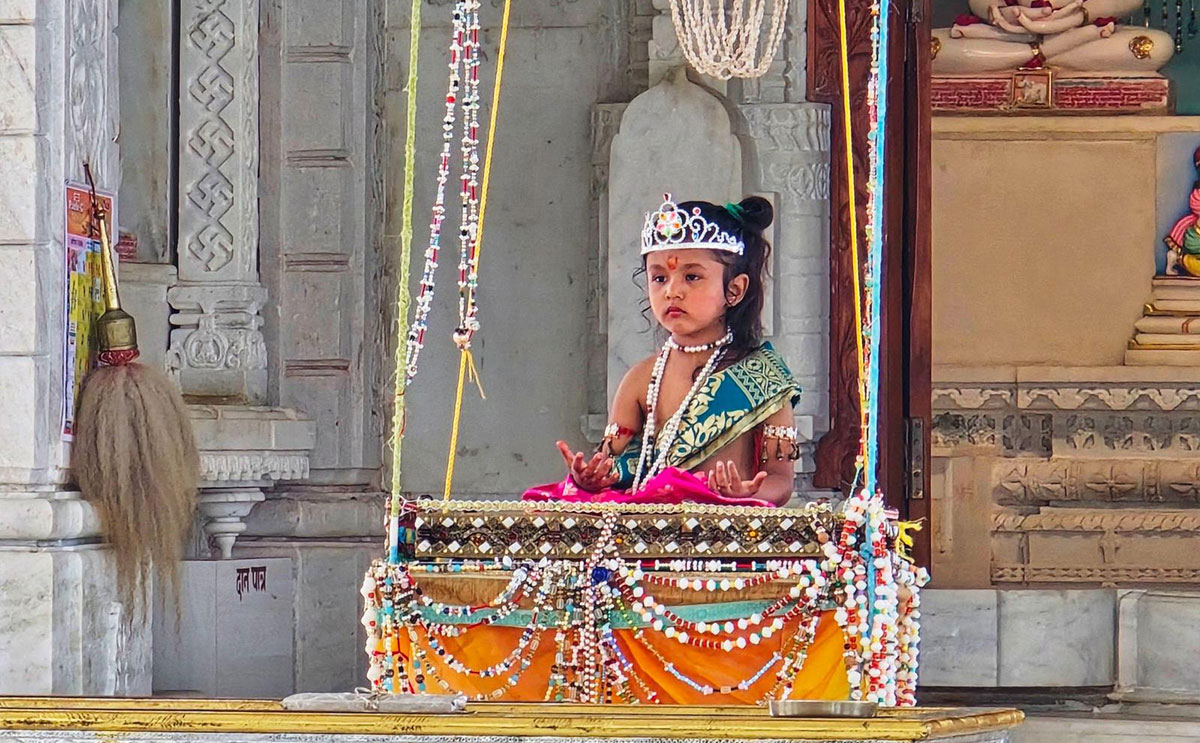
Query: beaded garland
(724, 340)
(575, 603)
(462, 92)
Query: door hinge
(916, 457)
(916, 11)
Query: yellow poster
(82, 295)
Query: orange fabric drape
(823, 675)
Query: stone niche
(1073, 467)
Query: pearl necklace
(650, 465)
(724, 340)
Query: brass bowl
(820, 708)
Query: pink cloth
(1179, 231)
(670, 486)
(1182, 226)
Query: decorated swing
(647, 602)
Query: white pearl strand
(671, 430)
(725, 340)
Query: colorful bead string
(877, 100)
(464, 65)
(469, 265)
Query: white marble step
(1175, 305)
(1161, 357)
(1176, 287)
(1167, 339)
(1169, 324)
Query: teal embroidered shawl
(732, 402)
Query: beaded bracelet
(785, 437)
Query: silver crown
(671, 228)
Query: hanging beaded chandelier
(724, 39)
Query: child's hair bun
(756, 213)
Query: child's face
(687, 290)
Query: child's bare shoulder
(635, 380)
(641, 371)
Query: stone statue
(1168, 333)
(1183, 241)
(1074, 35)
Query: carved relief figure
(1183, 241)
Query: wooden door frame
(905, 353)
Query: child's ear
(735, 292)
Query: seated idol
(709, 418)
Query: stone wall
(59, 621)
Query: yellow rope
(466, 358)
(857, 281)
(458, 400)
(406, 234)
(858, 326)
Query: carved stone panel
(1090, 482)
(217, 349)
(995, 432)
(1130, 435)
(218, 141)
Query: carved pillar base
(224, 510)
(217, 348)
(244, 450)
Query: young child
(709, 418)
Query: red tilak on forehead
(673, 262)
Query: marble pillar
(59, 618)
(790, 166)
(217, 348)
